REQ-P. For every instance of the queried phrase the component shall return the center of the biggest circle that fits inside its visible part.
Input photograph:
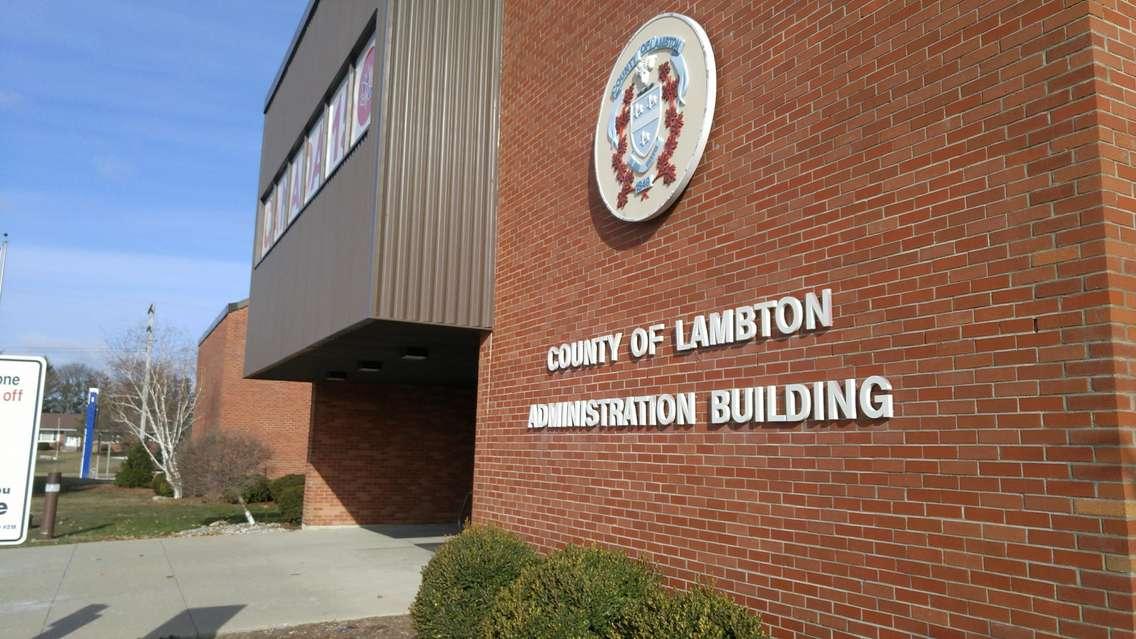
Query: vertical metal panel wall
(405, 229)
(317, 280)
(438, 173)
(323, 47)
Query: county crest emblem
(655, 117)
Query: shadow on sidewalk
(414, 531)
(72, 622)
(203, 623)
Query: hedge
(288, 493)
(161, 486)
(137, 471)
(574, 592)
(487, 583)
(254, 489)
(461, 582)
(700, 613)
(284, 481)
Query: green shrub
(161, 486)
(254, 489)
(283, 482)
(461, 582)
(575, 592)
(700, 613)
(44, 446)
(288, 493)
(290, 501)
(137, 471)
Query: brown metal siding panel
(438, 203)
(325, 45)
(317, 280)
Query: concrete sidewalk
(202, 586)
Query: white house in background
(61, 429)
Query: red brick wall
(389, 454)
(960, 174)
(276, 413)
(1114, 54)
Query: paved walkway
(202, 586)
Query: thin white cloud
(9, 99)
(112, 168)
(64, 302)
(57, 350)
(164, 229)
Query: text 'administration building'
(829, 303)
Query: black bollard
(50, 502)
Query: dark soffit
(451, 361)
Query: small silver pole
(146, 373)
(3, 261)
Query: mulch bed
(370, 628)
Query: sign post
(89, 432)
(21, 400)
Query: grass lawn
(99, 511)
(67, 462)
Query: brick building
(275, 413)
(893, 305)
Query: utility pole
(3, 261)
(146, 372)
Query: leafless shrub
(218, 462)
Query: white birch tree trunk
(158, 413)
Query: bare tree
(153, 398)
(67, 385)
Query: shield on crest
(646, 120)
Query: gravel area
(372, 628)
(225, 528)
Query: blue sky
(131, 136)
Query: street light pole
(3, 261)
(146, 373)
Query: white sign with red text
(21, 400)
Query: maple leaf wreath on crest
(665, 170)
